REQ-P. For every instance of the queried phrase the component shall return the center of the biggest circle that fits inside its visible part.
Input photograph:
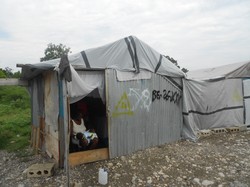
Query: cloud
(4, 35)
(198, 34)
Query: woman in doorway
(86, 139)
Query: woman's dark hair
(75, 115)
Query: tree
(176, 63)
(55, 51)
(8, 72)
(16, 74)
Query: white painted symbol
(143, 99)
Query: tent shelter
(216, 97)
(133, 94)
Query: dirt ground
(218, 160)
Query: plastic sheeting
(246, 88)
(117, 56)
(235, 70)
(211, 105)
(127, 54)
(84, 82)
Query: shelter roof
(235, 70)
(126, 54)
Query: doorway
(93, 112)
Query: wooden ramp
(88, 156)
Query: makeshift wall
(142, 113)
(51, 101)
(211, 104)
(36, 89)
(37, 105)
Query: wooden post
(108, 109)
(61, 125)
(63, 128)
(37, 139)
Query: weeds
(14, 118)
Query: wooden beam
(42, 133)
(88, 156)
(12, 82)
(108, 113)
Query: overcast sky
(198, 34)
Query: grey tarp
(128, 55)
(236, 70)
(213, 98)
(209, 105)
(84, 82)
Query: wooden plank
(42, 127)
(51, 143)
(88, 156)
(107, 107)
(12, 82)
(62, 124)
(37, 139)
(67, 138)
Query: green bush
(2, 74)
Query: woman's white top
(78, 128)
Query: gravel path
(220, 160)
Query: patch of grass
(14, 118)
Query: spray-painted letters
(143, 99)
(166, 95)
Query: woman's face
(78, 121)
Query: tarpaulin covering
(127, 54)
(84, 82)
(246, 90)
(213, 98)
(236, 70)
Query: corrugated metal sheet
(142, 113)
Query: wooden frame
(94, 155)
